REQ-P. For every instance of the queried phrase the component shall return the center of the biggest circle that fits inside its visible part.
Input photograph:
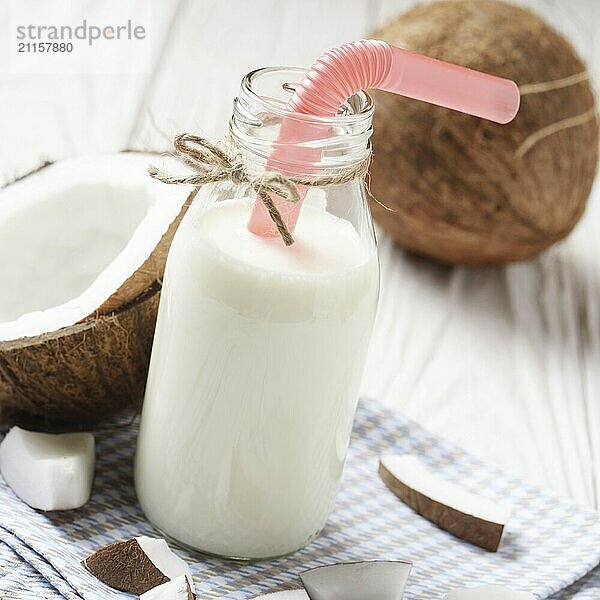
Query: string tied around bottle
(214, 161)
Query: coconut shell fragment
(139, 565)
(125, 566)
(475, 519)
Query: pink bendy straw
(343, 71)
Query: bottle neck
(274, 138)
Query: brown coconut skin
(458, 191)
(124, 566)
(82, 375)
(79, 375)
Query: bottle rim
(255, 108)
(361, 101)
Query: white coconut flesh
(48, 472)
(164, 559)
(176, 589)
(72, 233)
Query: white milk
(253, 383)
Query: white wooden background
(504, 361)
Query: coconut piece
(473, 518)
(137, 565)
(285, 595)
(489, 592)
(47, 471)
(368, 580)
(91, 235)
(176, 589)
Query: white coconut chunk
(176, 589)
(476, 519)
(48, 471)
(164, 559)
(286, 595)
(489, 592)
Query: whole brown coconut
(466, 190)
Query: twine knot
(223, 161)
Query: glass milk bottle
(259, 348)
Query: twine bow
(222, 161)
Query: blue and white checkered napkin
(549, 543)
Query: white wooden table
(504, 361)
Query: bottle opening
(331, 142)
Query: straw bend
(339, 73)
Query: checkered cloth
(549, 543)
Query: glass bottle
(259, 348)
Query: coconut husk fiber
(465, 190)
(83, 374)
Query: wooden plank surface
(503, 361)
(49, 115)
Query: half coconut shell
(81, 373)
